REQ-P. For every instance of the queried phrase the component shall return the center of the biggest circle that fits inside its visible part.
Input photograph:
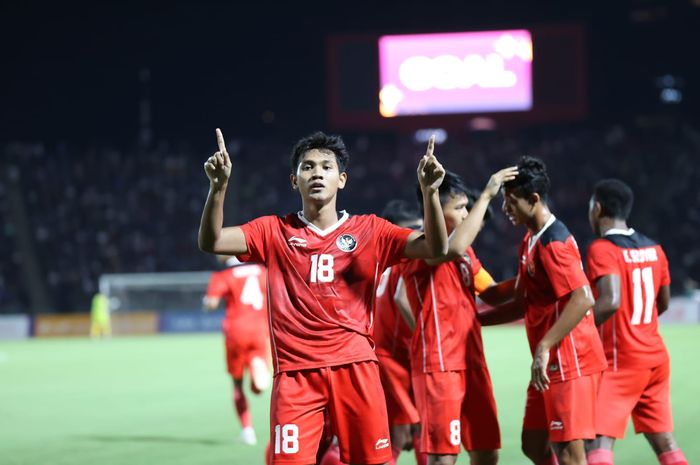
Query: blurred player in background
(323, 269)
(630, 277)
(100, 318)
(392, 338)
(553, 295)
(246, 331)
(451, 381)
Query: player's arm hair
(463, 236)
(499, 293)
(213, 237)
(608, 301)
(401, 300)
(580, 301)
(663, 298)
(433, 242)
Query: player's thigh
(396, 381)
(571, 409)
(297, 407)
(534, 439)
(358, 413)
(618, 393)
(652, 414)
(480, 430)
(439, 397)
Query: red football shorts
(353, 397)
(567, 410)
(243, 348)
(396, 380)
(456, 407)
(645, 394)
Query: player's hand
(497, 179)
(218, 166)
(539, 379)
(430, 171)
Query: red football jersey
(549, 270)
(243, 288)
(448, 334)
(321, 284)
(391, 334)
(631, 336)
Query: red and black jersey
(549, 270)
(631, 336)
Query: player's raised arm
(433, 242)
(213, 237)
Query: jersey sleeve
(392, 241)
(563, 266)
(665, 279)
(217, 285)
(601, 260)
(257, 234)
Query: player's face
(594, 216)
(455, 211)
(517, 209)
(318, 177)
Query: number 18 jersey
(321, 285)
(631, 336)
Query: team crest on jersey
(346, 242)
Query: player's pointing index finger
(220, 141)
(431, 146)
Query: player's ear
(534, 198)
(342, 179)
(293, 180)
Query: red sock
(551, 459)
(241, 404)
(600, 457)
(672, 457)
(421, 458)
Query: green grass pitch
(167, 400)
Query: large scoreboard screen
(464, 72)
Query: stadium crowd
(91, 211)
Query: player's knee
(533, 450)
(483, 457)
(434, 459)
(661, 442)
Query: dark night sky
(70, 73)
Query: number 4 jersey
(321, 284)
(631, 336)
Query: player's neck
(322, 216)
(606, 224)
(539, 219)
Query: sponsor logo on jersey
(556, 425)
(346, 242)
(381, 444)
(297, 242)
(553, 366)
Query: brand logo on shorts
(556, 425)
(346, 243)
(382, 444)
(296, 242)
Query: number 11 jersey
(631, 336)
(321, 285)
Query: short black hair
(615, 197)
(451, 185)
(321, 141)
(399, 211)
(532, 178)
(473, 195)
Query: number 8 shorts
(352, 394)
